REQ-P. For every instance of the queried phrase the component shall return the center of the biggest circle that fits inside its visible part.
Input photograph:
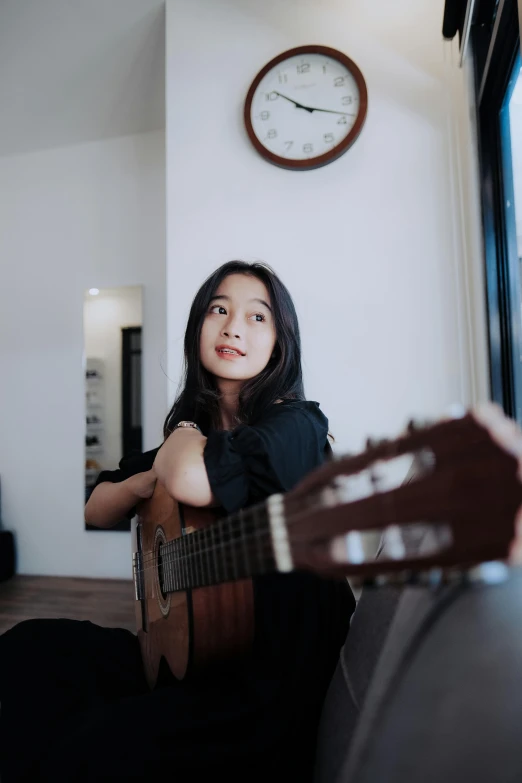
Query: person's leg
(180, 731)
(50, 671)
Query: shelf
(94, 406)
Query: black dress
(74, 702)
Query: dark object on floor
(7, 555)
(7, 549)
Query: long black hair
(281, 379)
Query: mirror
(113, 388)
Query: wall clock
(306, 107)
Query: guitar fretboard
(237, 547)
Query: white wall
(70, 219)
(104, 316)
(375, 248)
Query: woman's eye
(259, 317)
(219, 307)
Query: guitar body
(189, 628)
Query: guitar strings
(241, 522)
(431, 576)
(182, 559)
(237, 523)
(207, 535)
(187, 553)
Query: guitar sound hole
(161, 573)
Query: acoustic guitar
(193, 572)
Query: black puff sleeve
(250, 463)
(133, 463)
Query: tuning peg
(433, 578)
(492, 573)
(455, 411)
(416, 425)
(373, 443)
(425, 459)
(393, 542)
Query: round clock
(306, 107)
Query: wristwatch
(187, 424)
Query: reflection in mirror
(112, 363)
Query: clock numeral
(271, 96)
(339, 81)
(347, 100)
(329, 138)
(283, 78)
(308, 148)
(342, 121)
(324, 68)
(271, 134)
(289, 145)
(303, 68)
(264, 115)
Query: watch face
(306, 107)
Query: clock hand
(331, 111)
(311, 109)
(297, 105)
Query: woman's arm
(109, 502)
(180, 467)
(232, 469)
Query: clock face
(306, 107)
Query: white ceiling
(73, 71)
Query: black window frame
(495, 47)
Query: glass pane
(515, 121)
(511, 129)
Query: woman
(75, 705)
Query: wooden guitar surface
(192, 628)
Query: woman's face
(239, 319)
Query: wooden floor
(106, 602)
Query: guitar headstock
(456, 509)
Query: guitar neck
(236, 547)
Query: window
(511, 151)
(492, 28)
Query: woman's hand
(109, 503)
(142, 484)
